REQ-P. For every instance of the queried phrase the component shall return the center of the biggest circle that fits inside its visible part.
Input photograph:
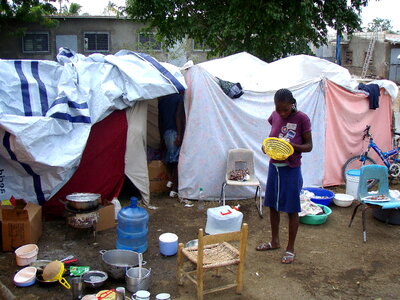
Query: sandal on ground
(266, 247)
(288, 257)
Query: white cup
(163, 296)
(141, 295)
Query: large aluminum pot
(137, 279)
(115, 262)
(83, 201)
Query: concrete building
(384, 64)
(93, 34)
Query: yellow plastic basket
(277, 149)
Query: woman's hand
(262, 149)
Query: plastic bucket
(26, 254)
(352, 180)
(168, 244)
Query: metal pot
(42, 282)
(83, 201)
(115, 262)
(192, 243)
(94, 279)
(134, 283)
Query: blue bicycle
(389, 158)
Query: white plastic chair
(242, 159)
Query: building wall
(353, 52)
(358, 46)
(123, 34)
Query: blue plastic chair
(367, 173)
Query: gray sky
(385, 9)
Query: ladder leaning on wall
(369, 54)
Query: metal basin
(94, 279)
(83, 201)
(115, 262)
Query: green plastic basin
(317, 219)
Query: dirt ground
(332, 261)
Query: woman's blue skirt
(283, 189)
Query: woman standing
(284, 177)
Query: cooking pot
(115, 262)
(83, 201)
(137, 279)
(42, 282)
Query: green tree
(16, 15)
(60, 5)
(379, 24)
(71, 10)
(113, 10)
(269, 29)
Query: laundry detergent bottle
(132, 228)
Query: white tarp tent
(217, 123)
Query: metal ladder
(370, 51)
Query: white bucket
(352, 180)
(26, 254)
(168, 244)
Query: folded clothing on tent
(374, 93)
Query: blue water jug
(132, 228)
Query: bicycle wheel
(356, 163)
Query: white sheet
(217, 123)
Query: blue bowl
(25, 284)
(319, 192)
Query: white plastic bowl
(25, 277)
(26, 254)
(343, 200)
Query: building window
(200, 46)
(97, 41)
(148, 41)
(348, 57)
(35, 42)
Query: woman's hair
(284, 95)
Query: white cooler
(223, 219)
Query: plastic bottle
(117, 206)
(200, 204)
(132, 228)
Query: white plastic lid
(142, 294)
(168, 237)
(163, 296)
